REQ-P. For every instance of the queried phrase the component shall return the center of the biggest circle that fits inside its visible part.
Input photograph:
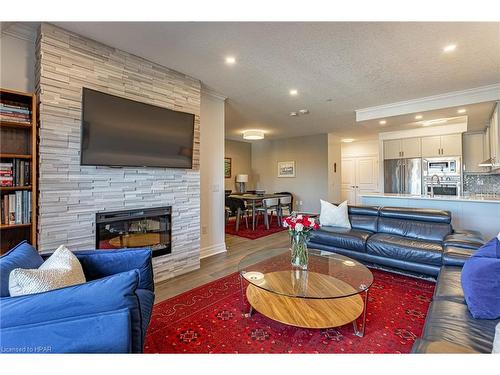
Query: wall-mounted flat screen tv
(126, 133)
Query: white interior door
(348, 191)
(366, 177)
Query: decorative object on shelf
(299, 228)
(286, 169)
(241, 179)
(227, 167)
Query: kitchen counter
(481, 213)
(472, 198)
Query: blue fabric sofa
(110, 313)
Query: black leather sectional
(419, 241)
(409, 239)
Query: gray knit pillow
(61, 269)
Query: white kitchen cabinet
(431, 146)
(392, 149)
(402, 148)
(359, 176)
(494, 134)
(411, 147)
(442, 145)
(451, 145)
(474, 152)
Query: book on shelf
(17, 173)
(15, 112)
(16, 208)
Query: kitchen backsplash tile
(482, 183)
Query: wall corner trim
(208, 251)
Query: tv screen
(127, 133)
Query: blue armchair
(110, 313)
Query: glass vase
(299, 251)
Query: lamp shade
(241, 178)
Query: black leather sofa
(449, 326)
(407, 239)
(421, 241)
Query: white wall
(241, 163)
(212, 174)
(17, 63)
(310, 154)
(334, 168)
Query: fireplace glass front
(135, 228)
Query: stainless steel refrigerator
(403, 176)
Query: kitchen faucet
(432, 183)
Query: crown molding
(429, 103)
(22, 30)
(211, 92)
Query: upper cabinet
(474, 152)
(494, 141)
(442, 145)
(402, 148)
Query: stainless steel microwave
(442, 166)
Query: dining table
(254, 199)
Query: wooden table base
(305, 312)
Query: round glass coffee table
(332, 292)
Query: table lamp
(240, 180)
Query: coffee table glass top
(329, 275)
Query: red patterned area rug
(260, 230)
(209, 319)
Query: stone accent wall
(70, 194)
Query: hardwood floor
(220, 265)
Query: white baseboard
(212, 250)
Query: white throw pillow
(61, 269)
(334, 216)
(496, 340)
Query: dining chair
(285, 204)
(269, 206)
(239, 209)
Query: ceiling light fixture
(418, 117)
(294, 92)
(304, 111)
(434, 122)
(462, 110)
(348, 140)
(253, 135)
(230, 60)
(450, 48)
(293, 114)
(382, 122)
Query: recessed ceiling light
(418, 117)
(450, 48)
(253, 135)
(462, 110)
(348, 140)
(382, 122)
(230, 60)
(293, 114)
(294, 92)
(304, 111)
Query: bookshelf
(18, 147)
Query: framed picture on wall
(286, 169)
(227, 167)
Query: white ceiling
(356, 65)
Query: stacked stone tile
(70, 194)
